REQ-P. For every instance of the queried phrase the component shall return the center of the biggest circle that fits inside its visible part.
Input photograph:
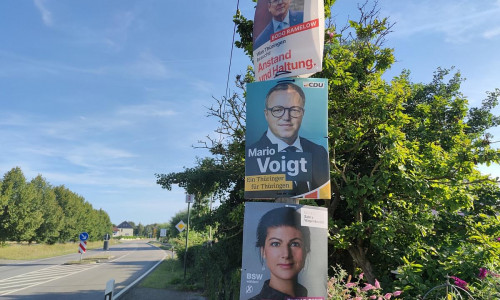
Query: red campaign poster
(288, 38)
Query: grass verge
(169, 275)
(24, 251)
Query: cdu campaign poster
(288, 38)
(285, 252)
(286, 152)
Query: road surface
(52, 279)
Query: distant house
(124, 229)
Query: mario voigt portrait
(286, 139)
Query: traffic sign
(189, 198)
(83, 247)
(163, 232)
(84, 236)
(180, 226)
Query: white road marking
(27, 280)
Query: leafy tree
(20, 217)
(36, 211)
(52, 213)
(104, 223)
(402, 152)
(149, 230)
(80, 216)
(139, 230)
(88, 221)
(66, 199)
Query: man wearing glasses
(284, 112)
(282, 18)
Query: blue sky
(101, 95)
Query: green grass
(169, 275)
(24, 251)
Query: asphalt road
(52, 279)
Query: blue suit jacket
(296, 17)
(320, 169)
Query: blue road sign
(84, 236)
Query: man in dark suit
(282, 18)
(282, 150)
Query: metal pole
(187, 235)
(210, 232)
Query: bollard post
(110, 290)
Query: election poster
(288, 38)
(285, 252)
(286, 152)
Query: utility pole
(189, 199)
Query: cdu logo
(313, 84)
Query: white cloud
(156, 109)
(46, 14)
(17, 65)
(97, 178)
(458, 21)
(202, 85)
(12, 119)
(116, 34)
(122, 22)
(489, 34)
(96, 155)
(149, 66)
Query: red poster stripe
(294, 29)
(83, 247)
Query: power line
(232, 47)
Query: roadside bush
(215, 264)
(192, 256)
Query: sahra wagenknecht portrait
(284, 252)
(286, 153)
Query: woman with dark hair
(283, 245)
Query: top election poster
(286, 141)
(288, 38)
(285, 252)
